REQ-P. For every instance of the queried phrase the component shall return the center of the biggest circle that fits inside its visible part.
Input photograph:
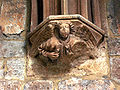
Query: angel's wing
(89, 35)
(40, 36)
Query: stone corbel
(65, 38)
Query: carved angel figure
(60, 44)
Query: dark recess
(40, 11)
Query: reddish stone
(12, 16)
(38, 85)
(13, 85)
(10, 85)
(115, 68)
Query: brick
(114, 46)
(115, 68)
(79, 84)
(15, 69)
(38, 85)
(11, 49)
(10, 85)
(13, 16)
(1, 69)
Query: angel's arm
(44, 49)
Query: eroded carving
(59, 46)
(64, 42)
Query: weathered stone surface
(39, 85)
(113, 16)
(15, 69)
(10, 85)
(115, 68)
(79, 84)
(12, 16)
(96, 67)
(114, 46)
(83, 57)
(1, 68)
(11, 49)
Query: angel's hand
(53, 55)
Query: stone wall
(14, 23)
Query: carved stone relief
(59, 45)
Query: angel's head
(64, 30)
